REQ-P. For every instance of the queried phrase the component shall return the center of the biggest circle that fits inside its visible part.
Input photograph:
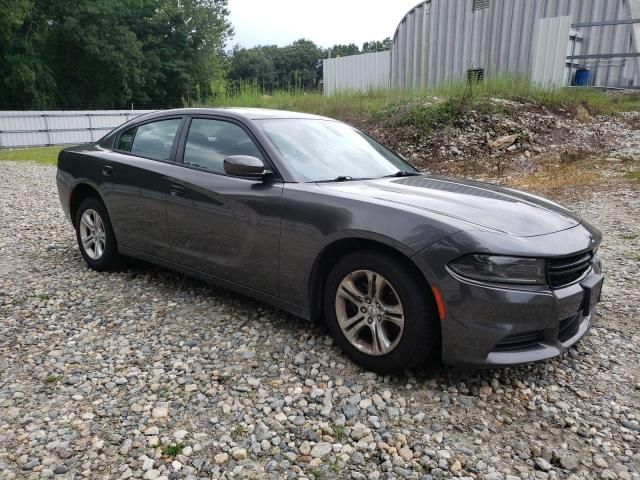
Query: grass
(239, 433)
(553, 178)
(406, 113)
(52, 378)
(44, 155)
(634, 176)
(172, 449)
(339, 433)
(444, 102)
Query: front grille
(568, 270)
(568, 328)
(519, 341)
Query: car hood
(483, 205)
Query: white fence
(369, 71)
(63, 127)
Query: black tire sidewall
(421, 335)
(110, 255)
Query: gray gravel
(144, 373)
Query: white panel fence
(369, 71)
(62, 127)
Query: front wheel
(95, 235)
(380, 312)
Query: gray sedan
(313, 216)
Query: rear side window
(210, 141)
(152, 140)
(126, 140)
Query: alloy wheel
(92, 234)
(369, 312)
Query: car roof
(241, 113)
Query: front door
(223, 225)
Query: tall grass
(456, 97)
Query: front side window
(152, 140)
(210, 141)
(323, 150)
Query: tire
(102, 254)
(406, 339)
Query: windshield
(323, 150)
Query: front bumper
(501, 325)
(498, 327)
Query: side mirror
(244, 166)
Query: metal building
(370, 71)
(448, 40)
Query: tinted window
(126, 140)
(323, 150)
(210, 141)
(153, 140)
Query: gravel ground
(143, 373)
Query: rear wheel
(380, 312)
(95, 235)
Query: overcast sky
(326, 22)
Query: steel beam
(605, 23)
(603, 56)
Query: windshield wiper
(341, 178)
(402, 173)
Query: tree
(110, 53)
(253, 64)
(26, 79)
(343, 50)
(273, 67)
(377, 46)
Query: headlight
(499, 269)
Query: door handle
(107, 170)
(176, 191)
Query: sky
(325, 22)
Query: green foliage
(339, 433)
(45, 155)
(634, 176)
(271, 67)
(238, 433)
(110, 53)
(343, 50)
(377, 46)
(172, 449)
(52, 378)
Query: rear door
(135, 184)
(223, 225)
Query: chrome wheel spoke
(353, 333)
(349, 291)
(393, 310)
(398, 321)
(350, 323)
(381, 343)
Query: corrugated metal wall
(440, 40)
(550, 46)
(368, 71)
(39, 128)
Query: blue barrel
(582, 77)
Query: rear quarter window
(152, 140)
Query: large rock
(503, 142)
(321, 450)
